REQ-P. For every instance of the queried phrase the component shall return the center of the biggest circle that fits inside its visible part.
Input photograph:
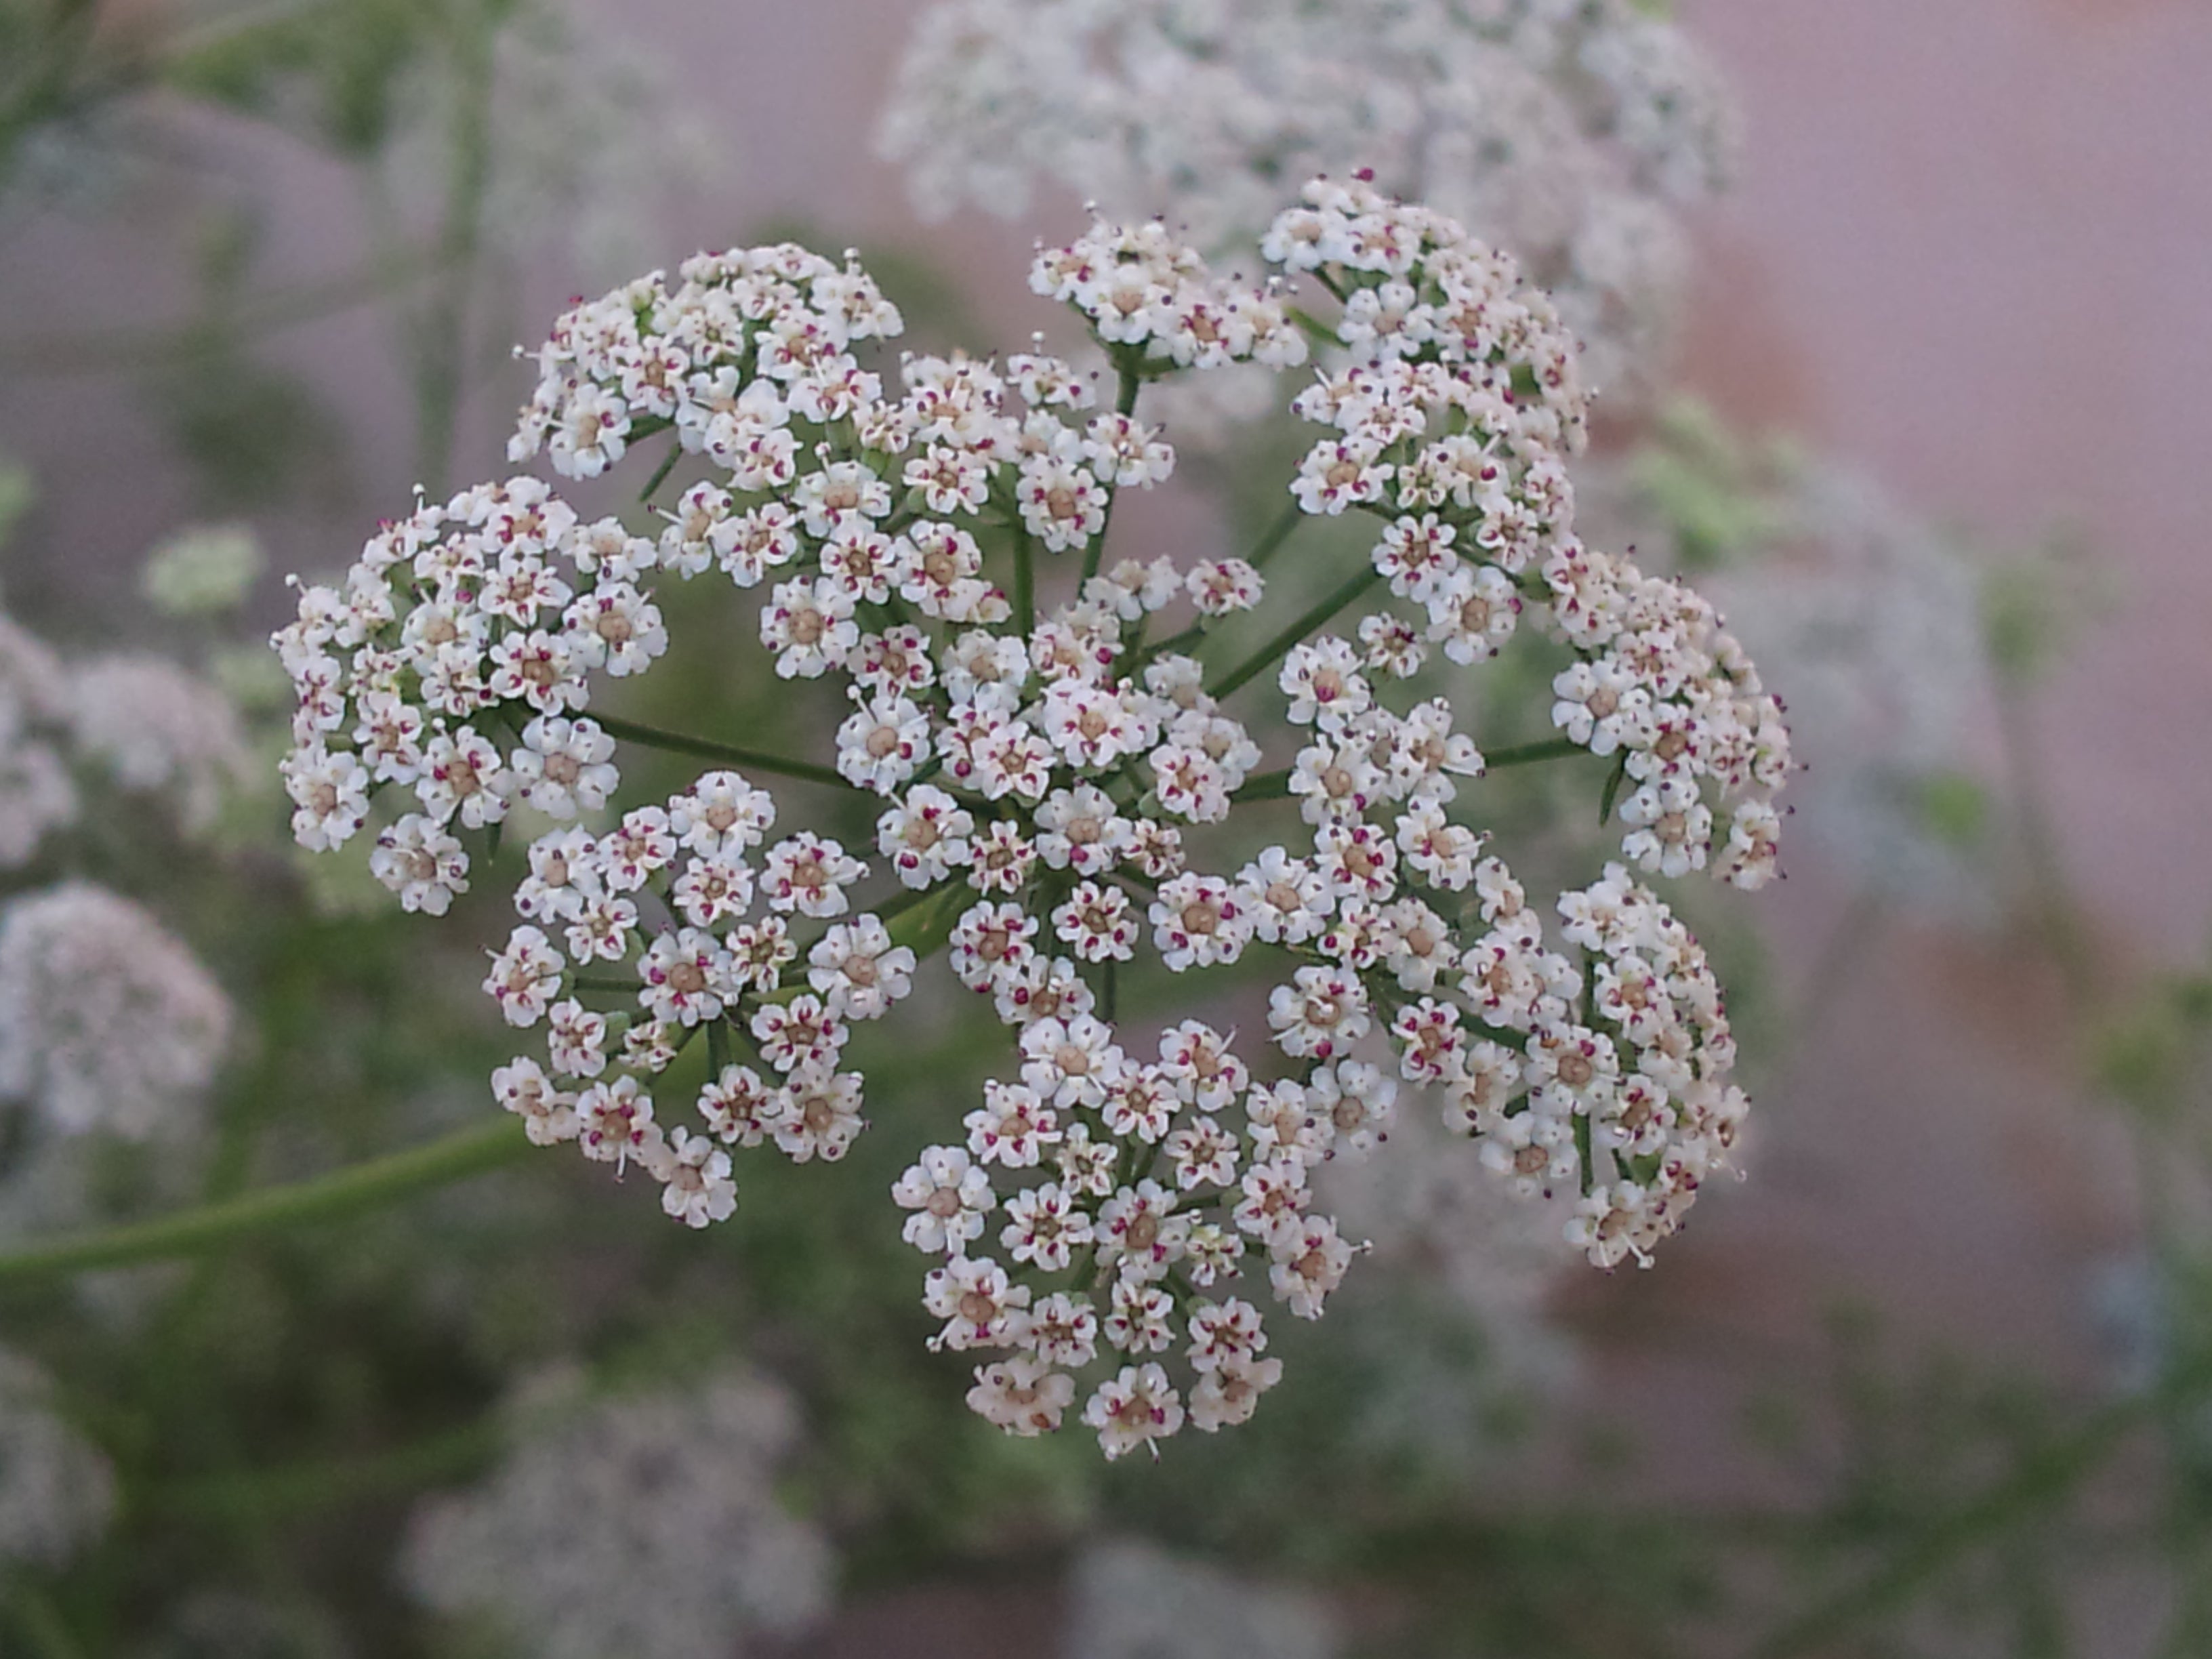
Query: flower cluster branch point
(1105, 1227)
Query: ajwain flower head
(1038, 729)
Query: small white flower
(1199, 921)
(1045, 1227)
(821, 1113)
(926, 837)
(809, 874)
(950, 1196)
(423, 864)
(565, 766)
(548, 1114)
(686, 976)
(694, 1176)
(330, 792)
(740, 1109)
(980, 1307)
(1138, 1406)
(615, 1122)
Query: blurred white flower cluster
(1496, 1254)
(588, 131)
(1884, 617)
(138, 722)
(643, 1524)
(108, 1022)
(1038, 766)
(1570, 132)
(37, 794)
(1881, 617)
(1134, 1600)
(57, 1491)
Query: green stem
(442, 338)
(2041, 1480)
(1613, 783)
(1276, 533)
(675, 743)
(2049, 894)
(1274, 648)
(1024, 583)
(1266, 785)
(661, 474)
(1125, 404)
(1528, 753)
(1314, 328)
(359, 1186)
(326, 1483)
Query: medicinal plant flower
(1060, 749)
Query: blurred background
(1911, 365)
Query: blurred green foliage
(1724, 495)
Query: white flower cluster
(1449, 1220)
(1880, 615)
(57, 1489)
(1127, 1599)
(37, 794)
(1569, 132)
(152, 727)
(645, 1525)
(1464, 455)
(457, 616)
(106, 1022)
(1037, 767)
(157, 728)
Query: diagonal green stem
(677, 743)
(2039, 1480)
(1274, 648)
(924, 924)
(661, 474)
(1276, 533)
(359, 1186)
